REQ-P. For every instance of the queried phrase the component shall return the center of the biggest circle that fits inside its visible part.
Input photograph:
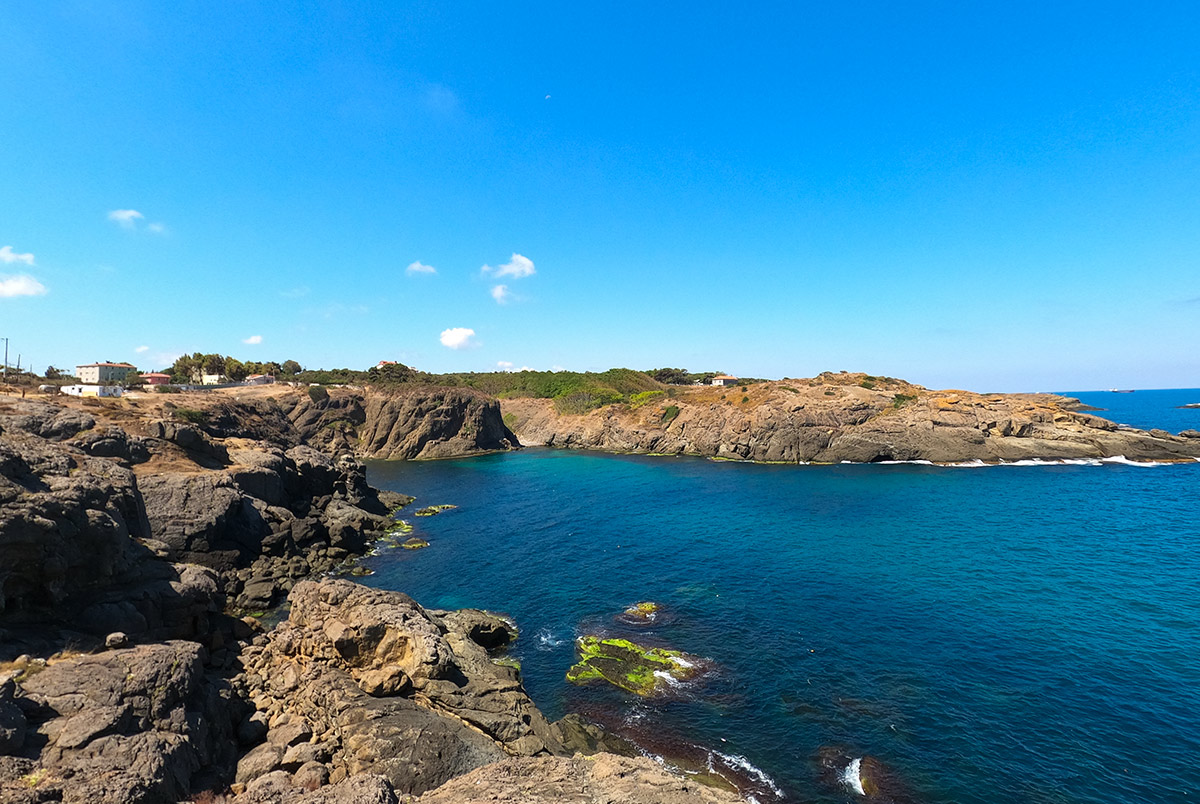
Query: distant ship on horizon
(1120, 390)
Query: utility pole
(6, 359)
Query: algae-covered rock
(646, 610)
(632, 667)
(430, 510)
(415, 543)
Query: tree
(671, 376)
(133, 379)
(213, 364)
(290, 367)
(52, 373)
(235, 369)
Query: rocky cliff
(405, 424)
(130, 533)
(847, 417)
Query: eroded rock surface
(384, 687)
(848, 417)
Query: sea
(1014, 633)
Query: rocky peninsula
(837, 417)
(138, 540)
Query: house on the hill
(724, 379)
(260, 379)
(101, 373)
(156, 378)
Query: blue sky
(998, 197)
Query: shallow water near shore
(1013, 633)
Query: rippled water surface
(1024, 634)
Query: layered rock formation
(847, 417)
(405, 424)
(126, 536)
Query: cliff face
(835, 418)
(405, 424)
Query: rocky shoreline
(847, 417)
(134, 539)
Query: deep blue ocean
(995, 634)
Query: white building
(100, 373)
(213, 379)
(260, 379)
(724, 379)
(91, 390)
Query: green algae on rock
(415, 543)
(430, 510)
(632, 667)
(645, 611)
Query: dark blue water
(999, 634)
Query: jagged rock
(65, 524)
(603, 779)
(12, 721)
(125, 725)
(581, 736)
(51, 422)
(259, 762)
(117, 639)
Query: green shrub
(900, 400)
(166, 389)
(317, 394)
(829, 393)
(192, 415)
(669, 413)
(789, 388)
(867, 383)
(645, 397)
(745, 399)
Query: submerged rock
(431, 510)
(415, 543)
(630, 666)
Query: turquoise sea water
(997, 634)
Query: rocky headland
(846, 417)
(139, 539)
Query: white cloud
(126, 218)
(142, 349)
(253, 340)
(20, 285)
(504, 364)
(501, 294)
(157, 228)
(458, 338)
(419, 267)
(518, 268)
(8, 256)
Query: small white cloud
(126, 218)
(157, 228)
(504, 364)
(518, 268)
(20, 285)
(501, 294)
(557, 368)
(458, 338)
(253, 340)
(142, 349)
(419, 267)
(440, 100)
(8, 256)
